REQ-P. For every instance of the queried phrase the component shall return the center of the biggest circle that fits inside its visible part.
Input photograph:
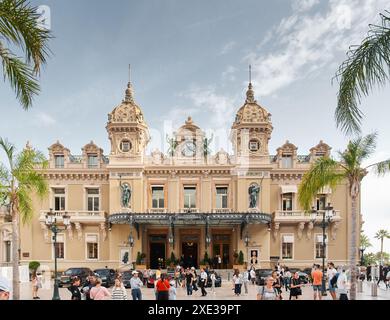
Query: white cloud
(44, 119)
(228, 47)
(304, 5)
(228, 74)
(306, 42)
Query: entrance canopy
(188, 218)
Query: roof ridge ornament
(250, 95)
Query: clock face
(189, 149)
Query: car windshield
(104, 272)
(126, 276)
(71, 272)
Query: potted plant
(206, 261)
(140, 261)
(238, 260)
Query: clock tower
(251, 131)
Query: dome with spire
(128, 111)
(251, 112)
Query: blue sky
(191, 58)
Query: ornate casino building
(187, 201)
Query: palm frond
(381, 234)
(9, 150)
(381, 168)
(20, 76)
(25, 208)
(367, 66)
(324, 172)
(19, 24)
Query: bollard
(360, 286)
(374, 289)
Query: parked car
(261, 275)
(82, 273)
(107, 276)
(126, 277)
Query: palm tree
(367, 65)
(329, 172)
(19, 28)
(18, 181)
(381, 235)
(364, 241)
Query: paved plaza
(223, 293)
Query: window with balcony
(287, 161)
(59, 199)
(60, 247)
(59, 161)
(92, 247)
(92, 161)
(287, 246)
(93, 199)
(189, 197)
(287, 202)
(222, 198)
(321, 202)
(158, 197)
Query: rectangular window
(287, 247)
(287, 201)
(321, 202)
(320, 247)
(59, 161)
(189, 197)
(93, 199)
(287, 161)
(59, 199)
(92, 161)
(222, 197)
(92, 247)
(158, 197)
(7, 247)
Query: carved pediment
(92, 148)
(321, 149)
(287, 148)
(58, 148)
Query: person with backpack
(268, 291)
(98, 292)
(330, 273)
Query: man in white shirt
(203, 282)
(342, 285)
(253, 276)
(330, 273)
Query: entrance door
(221, 248)
(190, 252)
(157, 252)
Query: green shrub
(34, 265)
(240, 258)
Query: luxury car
(107, 276)
(261, 275)
(66, 276)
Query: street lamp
(131, 240)
(247, 239)
(51, 222)
(362, 255)
(327, 216)
(208, 240)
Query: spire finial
(129, 72)
(250, 74)
(250, 95)
(129, 91)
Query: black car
(107, 276)
(261, 275)
(66, 276)
(127, 275)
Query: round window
(125, 145)
(254, 145)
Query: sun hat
(5, 285)
(134, 272)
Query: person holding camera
(296, 286)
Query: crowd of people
(379, 274)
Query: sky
(190, 58)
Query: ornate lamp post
(327, 216)
(131, 244)
(362, 255)
(247, 239)
(51, 222)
